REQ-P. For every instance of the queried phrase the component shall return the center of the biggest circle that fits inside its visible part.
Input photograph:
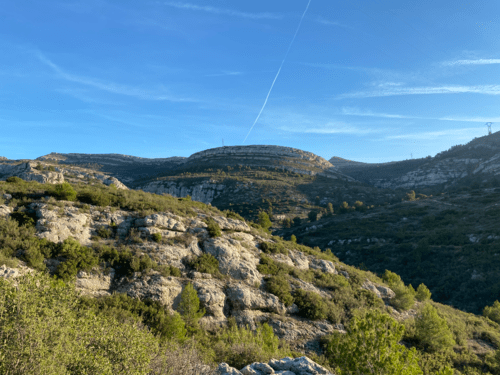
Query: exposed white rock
(211, 295)
(5, 210)
(58, 225)
(380, 291)
(325, 266)
(234, 259)
(243, 297)
(166, 290)
(285, 366)
(300, 260)
(94, 283)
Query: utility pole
(488, 124)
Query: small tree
(423, 293)
(264, 221)
(293, 238)
(411, 195)
(189, 308)
(296, 221)
(313, 215)
(493, 312)
(432, 330)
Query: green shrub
(233, 215)
(240, 346)
(313, 215)
(205, 263)
(42, 331)
(280, 287)
(65, 192)
(432, 330)
(293, 238)
(372, 346)
(493, 312)
(15, 180)
(76, 257)
(267, 266)
(156, 237)
(213, 228)
(423, 293)
(104, 232)
(311, 305)
(24, 218)
(273, 248)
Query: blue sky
(372, 81)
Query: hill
(461, 165)
(164, 254)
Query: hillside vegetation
(193, 286)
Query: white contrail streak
(279, 70)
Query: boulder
(58, 225)
(322, 265)
(380, 291)
(234, 260)
(166, 290)
(225, 369)
(211, 295)
(94, 283)
(243, 297)
(5, 210)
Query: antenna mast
(488, 124)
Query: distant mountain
(124, 167)
(478, 160)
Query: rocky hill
(124, 167)
(136, 254)
(460, 165)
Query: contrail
(279, 70)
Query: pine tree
(432, 330)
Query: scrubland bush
(371, 346)
(156, 237)
(493, 312)
(65, 192)
(205, 263)
(43, 332)
(405, 295)
(213, 228)
(280, 287)
(273, 248)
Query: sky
(366, 80)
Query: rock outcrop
(285, 366)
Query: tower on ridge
(488, 124)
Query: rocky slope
(478, 159)
(48, 173)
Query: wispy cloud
(222, 11)
(466, 133)
(353, 111)
(109, 86)
(225, 73)
(471, 62)
(399, 91)
(330, 128)
(324, 21)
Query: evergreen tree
(423, 293)
(189, 307)
(432, 330)
(264, 221)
